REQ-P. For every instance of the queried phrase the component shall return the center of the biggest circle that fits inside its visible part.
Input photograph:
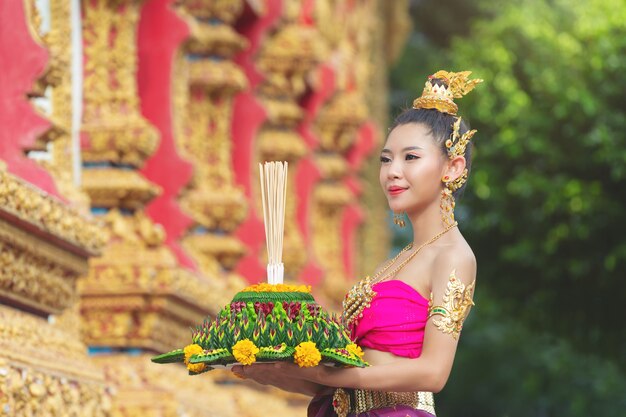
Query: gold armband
(457, 301)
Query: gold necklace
(360, 296)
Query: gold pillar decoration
(206, 82)
(140, 382)
(55, 86)
(337, 126)
(286, 61)
(44, 246)
(344, 26)
(46, 372)
(113, 128)
(360, 36)
(389, 28)
(135, 294)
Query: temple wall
(129, 199)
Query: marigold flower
(191, 350)
(355, 350)
(307, 355)
(245, 352)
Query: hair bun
(442, 88)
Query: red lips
(395, 190)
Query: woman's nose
(395, 170)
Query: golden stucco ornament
(457, 301)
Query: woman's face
(412, 165)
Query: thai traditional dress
(394, 322)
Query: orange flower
(191, 350)
(307, 355)
(245, 352)
(355, 350)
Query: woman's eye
(384, 159)
(411, 156)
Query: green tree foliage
(547, 203)
(544, 210)
(505, 369)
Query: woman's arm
(430, 371)
(265, 374)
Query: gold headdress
(441, 97)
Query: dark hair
(440, 125)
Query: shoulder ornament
(457, 301)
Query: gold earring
(398, 219)
(447, 202)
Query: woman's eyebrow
(408, 148)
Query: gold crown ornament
(441, 97)
(457, 143)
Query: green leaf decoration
(256, 335)
(342, 357)
(247, 326)
(177, 355)
(264, 297)
(216, 356)
(206, 369)
(271, 329)
(280, 352)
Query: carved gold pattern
(224, 209)
(287, 58)
(225, 10)
(57, 80)
(331, 166)
(217, 77)
(204, 101)
(221, 40)
(389, 28)
(35, 391)
(45, 371)
(146, 389)
(48, 214)
(142, 321)
(457, 301)
(337, 126)
(224, 249)
(34, 282)
(361, 37)
(113, 128)
(136, 294)
(282, 111)
(110, 187)
(339, 121)
(327, 241)
(286, 61)
(281, 145)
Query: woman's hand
(286, 376)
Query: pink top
(395, 320)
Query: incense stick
(273, 176)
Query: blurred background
(544, 209)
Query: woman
(408, 316)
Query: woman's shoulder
(458, 259)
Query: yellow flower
(307, 355)
(263, 287)
(245, 352)
(191, 350)
(355, 350)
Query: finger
(238, 371)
